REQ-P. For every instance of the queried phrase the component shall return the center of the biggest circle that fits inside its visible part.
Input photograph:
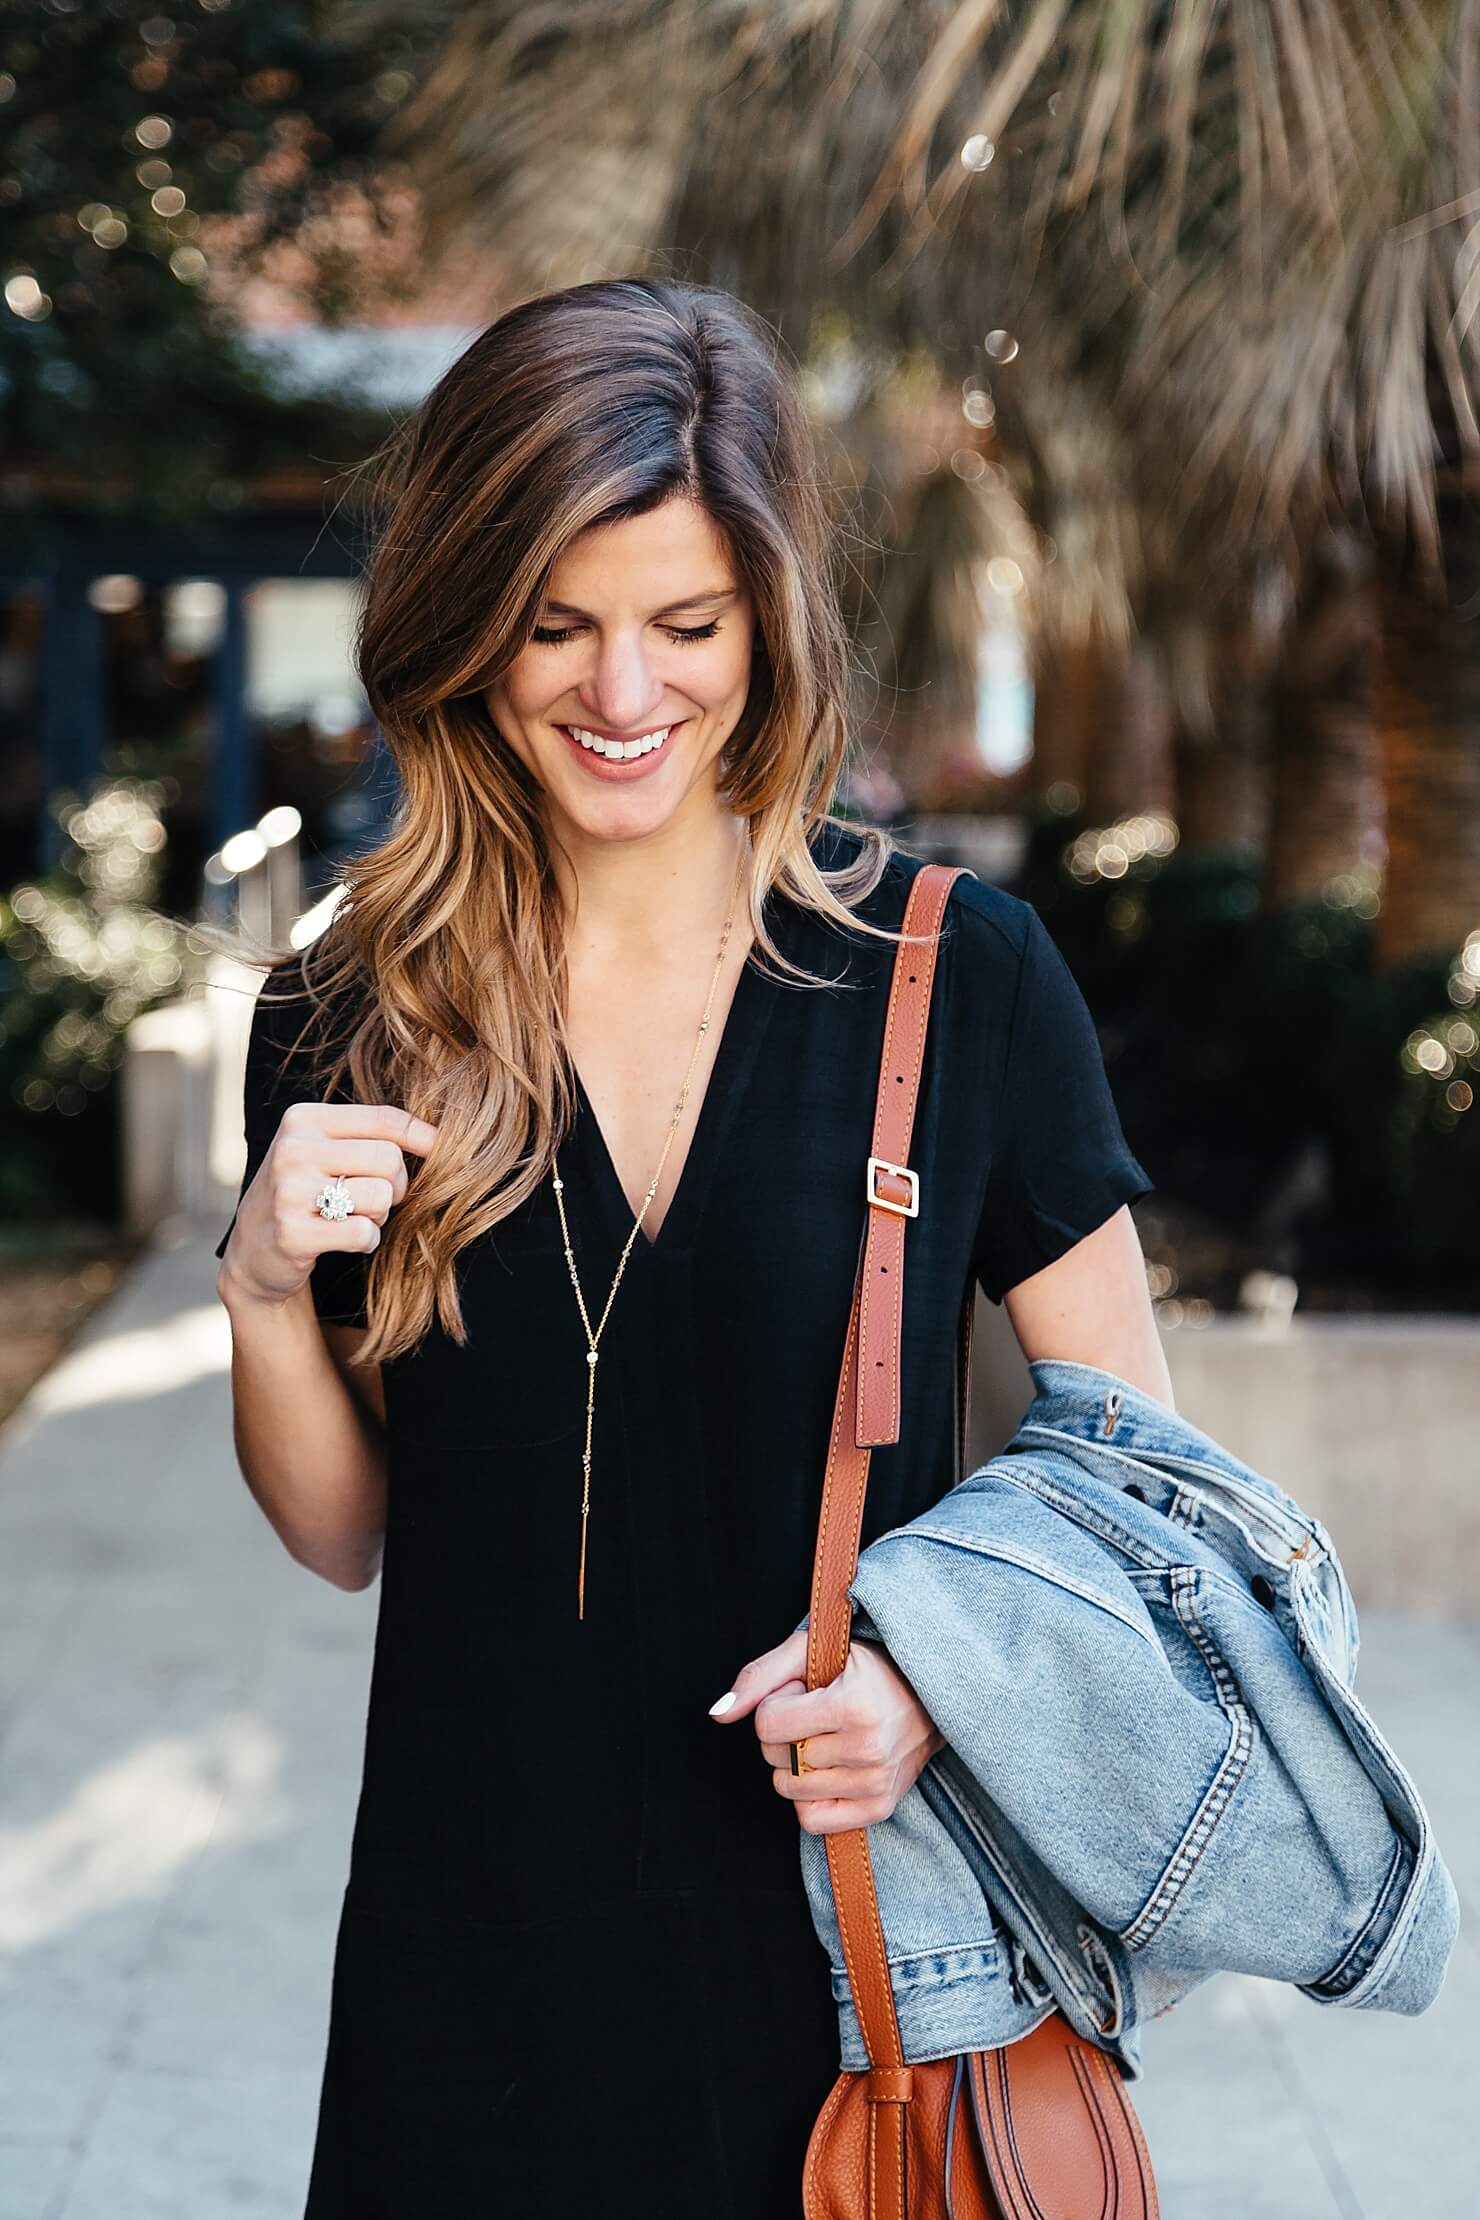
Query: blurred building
(214, 653)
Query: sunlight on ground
(145, 1361)
(128, 1829)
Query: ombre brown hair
(444, 954)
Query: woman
(606, 1010)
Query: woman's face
(645, 636)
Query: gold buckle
(911, 1209)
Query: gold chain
(593, 1336)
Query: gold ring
(798, 1762)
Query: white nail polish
(726, 1700)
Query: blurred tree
(1324, 803)
(1289, 201)
(932, 614)
(1210, 274)
(143, 155)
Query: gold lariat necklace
(593, 1336)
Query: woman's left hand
(868, 1737)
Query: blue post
(234, 788)
(72, 715)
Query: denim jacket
(1141, 1655)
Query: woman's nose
(622, 688)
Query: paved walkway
(181, 1712)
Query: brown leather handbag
(1038, 2129)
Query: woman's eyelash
(552, 635)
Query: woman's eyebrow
(715, 596)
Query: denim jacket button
(1263, 1591)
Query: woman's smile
(607, 756)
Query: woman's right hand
(278, 1234)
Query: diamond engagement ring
(333, 1199)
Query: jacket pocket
(1201, 1669)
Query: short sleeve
(279, 1071)
(1060, 1165)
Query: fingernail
(724, 1704)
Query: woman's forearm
(313, 1458)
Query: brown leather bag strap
(891, 1188)
(867, 1412)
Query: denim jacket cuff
(1382, 1971)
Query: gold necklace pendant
(593, 1334)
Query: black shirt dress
(575, 1970)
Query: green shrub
(82, 952)
(1267, 1072)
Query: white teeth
(623, 750)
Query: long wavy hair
(442, 959)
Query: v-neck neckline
(740, 1038)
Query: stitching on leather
(1150, 2202)
(992, 2124)
(1123, 2110)
(841, 1417)
(1094, 2106)
(934, 906)
(904, 2162)
(1021, 2181)
(931, 901)
(876, 1940)
(848, 1954)
(825, 2118)
(925, 976)
(891, 1015)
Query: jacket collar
(1075, 1402)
